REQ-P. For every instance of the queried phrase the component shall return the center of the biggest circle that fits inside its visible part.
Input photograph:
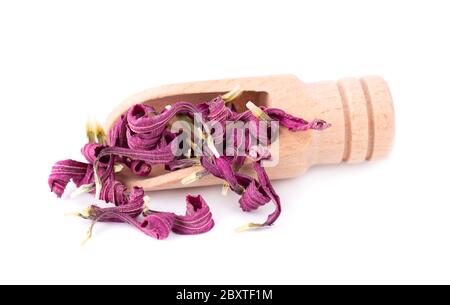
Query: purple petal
(266, 185)
(155, 225)
(141, 121)
(294, 123)
(217, 110)
(156, 156)
(259, 152)
(203, 109)
(146, 141)
(167, 138)
(117, 134)
(88, 177)
(253, 197)
(113, 191)
(139, 168)
(64, 171)
(132, 206)
(210, 167)
(198, 218)
(91, 151)
(226, 171)
(158, 225)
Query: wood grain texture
(360, 111)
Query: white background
(381, 222)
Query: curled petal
(155, 225)
(218, 112)
(117, 134)
(237, 140)
(137, 196)
(91, 150)
(294, 123)
(167, 138)
(113, 191)
(210, 167)
(260, 130)
(203, 109)
(226, 171)
(156, 156)
(198, 218)
(145, 141)
(88, 176)
(64, 171)
(140, 121)
(253, 197)
(266, 185)
(244, 180)
(139, 168)
(131, 206)
(158, 225)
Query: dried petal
(217, 110)
(210, 167)
(266, 185)
(226, 172)
(131, 206)
(117, 134)
(158, 225)
(91, 151)
(63, 172)
(152, 229)
(259, 152)
(198, 218)
(253, 197)
(295, 123)
(144, 141)
(156, 156)
(113, 191)
(139, 168)
(141, 121)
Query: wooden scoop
(360, 112)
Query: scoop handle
(361, 112)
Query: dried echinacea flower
(142, 139)
(198, 217)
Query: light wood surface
(360, 111)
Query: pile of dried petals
(143, 138)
